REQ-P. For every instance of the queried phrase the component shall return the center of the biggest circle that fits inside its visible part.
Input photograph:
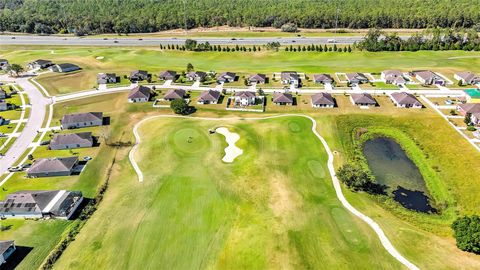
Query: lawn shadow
(106, 121)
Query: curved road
(156, 41)
(39, 104)
(336, 183)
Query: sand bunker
(99, 57)
(231, 151)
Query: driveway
(34, 122)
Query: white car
(331, 40)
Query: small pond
(394, 170)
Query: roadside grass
(255, 213)
(124, 60)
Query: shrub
(180, 106)
(471, 128)
(289, 27)
(467, 233)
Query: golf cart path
(336, 183)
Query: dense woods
(133, 16)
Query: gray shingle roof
(282, 98)
(323, 99)
(245, 94)
(48, 165)
(363, 98)
(175, 94)
(74, 138)
(139, 72)
(209, 95)
(404, 98)
(4, 245)
(427, 75)
(356, 76)
(322, 77)
(470, 107)
(227, 75)
(82, 117)
(140, 91)
(257, 77)
(167, 73)
(289, 75)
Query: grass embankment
(445, 161)
(273, 207)
(124, 60)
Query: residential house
(138, 75)
(60, 204)
(6, 250)
(405, 100)
(104, 78)
(226, 77)
(167, 75)
(290, 77)
(139, 94)
(173, 94)
(472, 95)
(282, 98)
(79, 120)
(356, 78)
(64, 68)
(467, 77)
(363, 99)
(393, 77)
(50, 167)
(428, 77)
(245, 98)
(71, 141)
(322, 78)
(196, 76)
(39, 64)
(209, 97)
(3, 105)
(323, 100)
(257, 78)
(470, 108)
(3, 94)
(3, 64)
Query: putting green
(274, 207)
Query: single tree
(190, 67)
(180, 106)
(15, 70)
(467, 233)
(468, 119)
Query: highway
(156, 41)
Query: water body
(398, 174)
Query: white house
(245, 98)
(290, 77)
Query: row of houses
(44, 64)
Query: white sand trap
(231, 151)
(99, 57)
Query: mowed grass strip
(273, 207)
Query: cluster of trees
(192, 45)
(135, 16)
(318, 48)
(429, 39)
(467, 233)
(356, 178)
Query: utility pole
(185, 15)
(336, 26)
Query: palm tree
(15, 69)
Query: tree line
(430, 39)
(136, 16)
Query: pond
(394, 170)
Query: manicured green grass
(123, 60)
(273, 207)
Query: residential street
(35, 120)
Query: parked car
(15, 169)
(87, 158)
